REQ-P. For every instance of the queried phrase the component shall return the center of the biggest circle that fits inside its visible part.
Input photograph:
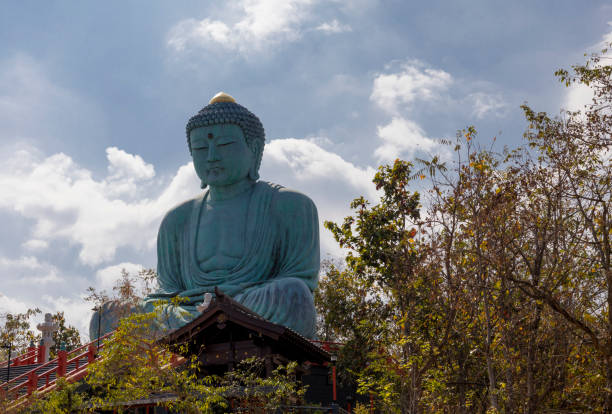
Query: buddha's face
(220, 154)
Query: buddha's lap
(286, 301)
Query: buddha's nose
(212, 154)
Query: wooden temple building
(227, 332)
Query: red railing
(328, 345)
(29, 380)
(60, 365)
(28, 357)
(82, 347)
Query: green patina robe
(276, 276)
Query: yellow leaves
(589, 318)
(480, 166)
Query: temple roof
(223, 310)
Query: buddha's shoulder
(179, 213)
(285, 199)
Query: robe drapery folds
(276, 276)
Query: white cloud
(108, 276)
(191, 31)
(128, 174)
(327, 178)
(401, 95)
(606, 39)
(51, 277)
(265, 18)
(258, 25)
(395, 92)
(261, 22)
(12, 305)
(27, 270)
(96, 215)
(487, 104)
(24, 262)
(309, 161)
(578, 96)
(402, 136)
(333, 27)
(414, 82)
(35, 244)
(124, 165)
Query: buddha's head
(226, 141)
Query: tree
(391, 303)
(128, 288)
(501, 218)
(16, 332)
(124, 300)
(67, 398)
(69, 336)
(577, 148)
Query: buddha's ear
(203, 184)
(257, 152)
(253, 173)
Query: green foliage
(251, 392)
(67, 398)
(129, 289)
(388, 283)
(67, 335)
(16, 332)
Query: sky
(94, 98)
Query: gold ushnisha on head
(222, 97)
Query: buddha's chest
(220, 240)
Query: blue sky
(94, 97)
